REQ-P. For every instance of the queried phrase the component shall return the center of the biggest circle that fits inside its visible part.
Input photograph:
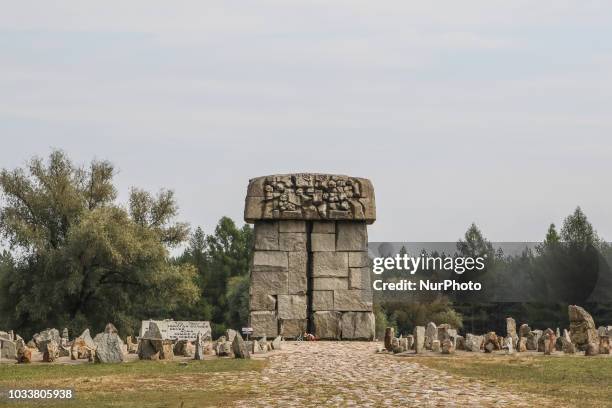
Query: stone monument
(310, 269)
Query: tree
(80, 259)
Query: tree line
(74, 256)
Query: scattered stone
(473, 343)
(230, 334)
(8, 349)
(409, 342)
(150, 346)
(591, 349)
(224, 349)
(109, 346)
(532, 339)
(448, 347)
(567, 346)
(419, 339)
(277, 343)
(435, 346)
(431, 334)
(549, 343)
(50, 353)
(132, 345)
(522, 345)
(389, 335)
(184, 348)
(239, 348)
(511, 330)
(524, 330)
(199, 348)
(582, 327)
(509, 344)
(491, 342)
(24, 353)
(41, 339)
(460, 343)
(82, 347)
(604, 345)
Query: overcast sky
(494, 112)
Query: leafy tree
(80, 259)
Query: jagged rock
(82, 346)
(435, 346)
(277, 343)
(582, 327)
(63, 351)
(567, 347)
(446, 332)
(389, 334)
(448, 347)
(150, 346)
(109, 346)
(419, 339)
(431, 334)
(409, 342)
(473, 343)
(41, 339)
(50, 353)
(5, 336)
(591, 349)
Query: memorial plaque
(179, 329)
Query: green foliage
(222, 263)
(79, 259)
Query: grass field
(136, 384)
(574, 380)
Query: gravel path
(344, 374)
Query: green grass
(577, 380)
(135, 384)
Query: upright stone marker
(310, 268)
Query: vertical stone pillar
(310, 268)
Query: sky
(493, 112)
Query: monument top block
(310, 196)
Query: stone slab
(292, 241)
(359, 259)
(358, 326)
(310, 196)
(292, 226)
(267, 261)
(264, 323)
(327, 325)
(323, 242)
(330, 283)
(330, 264)
(266, 236)
(293, 328)
(272, 283)
(322, 300)
(262, 301)
(351, 301)
(292, 307)
(298, 277)
(351, 236)
(323, 227)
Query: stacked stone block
(310, 269)
(278, 301)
